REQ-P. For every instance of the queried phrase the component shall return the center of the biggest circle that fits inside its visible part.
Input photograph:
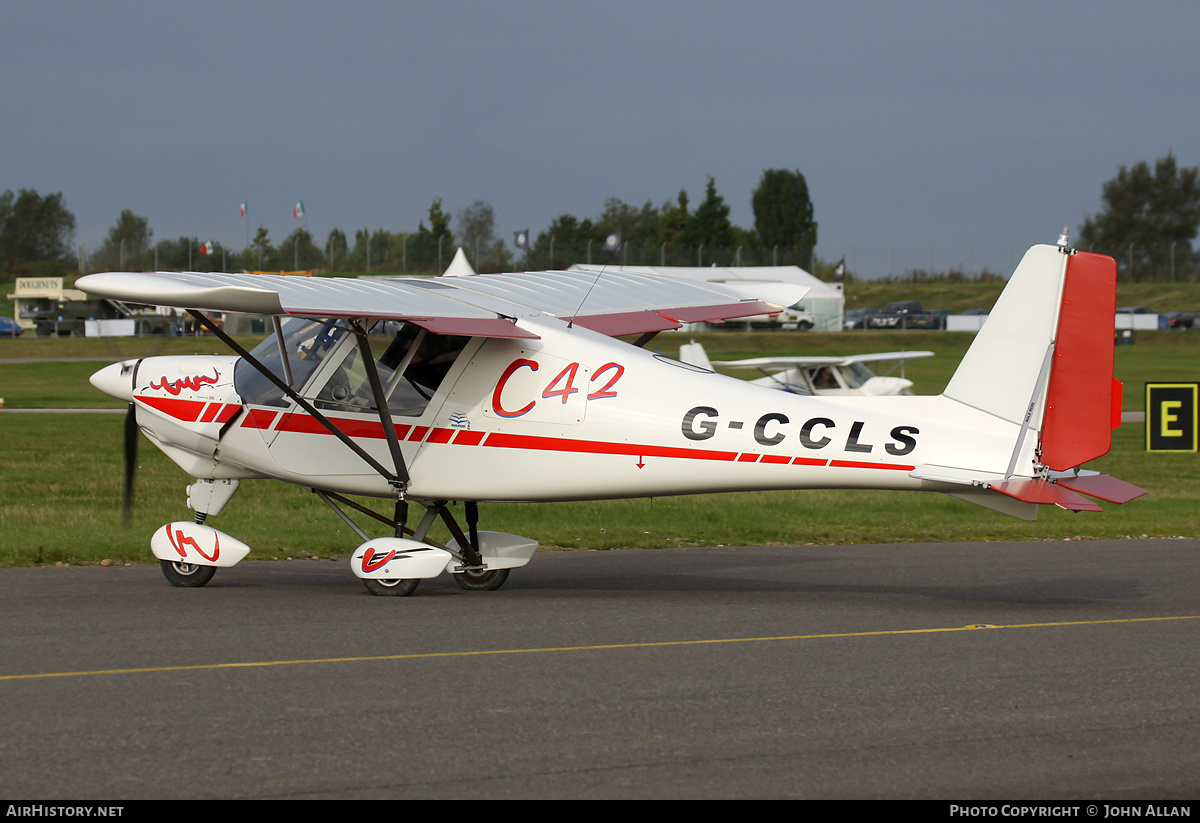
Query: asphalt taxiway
(968, 671)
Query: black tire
(481, 581)
(395, 587)
(186, 575)
(804, 325)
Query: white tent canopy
(459, 265)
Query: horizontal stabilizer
(1042, 491)
(1103, 486)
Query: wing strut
(294, 395)
(381, 405)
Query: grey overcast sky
(918, 125)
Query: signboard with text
(1172, 416)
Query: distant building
(38, 295)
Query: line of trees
(1150, 219)
(675, 233)
(35, 230)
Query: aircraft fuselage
(571, 415)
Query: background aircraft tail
(694, 355)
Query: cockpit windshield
(306, 343)
(856, 374)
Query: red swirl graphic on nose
(180, 542)
(194, 383)
(369, 565)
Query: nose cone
(116, 380)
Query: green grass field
(60, 473)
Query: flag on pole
(298, 209)
(521, 239)
(207, 248)
(839, 271)
(242, 210)
(613, 241)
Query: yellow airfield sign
(1172, 416)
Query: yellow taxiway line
(599, 647)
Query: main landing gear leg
(471, 573)
(397, 587)
(476, 579)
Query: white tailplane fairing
(499, 388)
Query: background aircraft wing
(836, 360)
(612, 303)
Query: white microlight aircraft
(832, 376)
(512, 387)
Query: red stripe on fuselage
(185, 410)
(305, 424)
(259, 419)
(854, 464)
(468, 438)
(562, 444)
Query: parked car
(932, 319)
(10, 327)
(857, 318)
(1134, 310)
(1177, 320)
(895, 315)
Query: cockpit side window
(412, 365)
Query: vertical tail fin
(1083, 398)
(1044, 361)
(1044, 357)
(1005, 370)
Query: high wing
(489, 305)
(783, 362)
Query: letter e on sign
(1172, 415)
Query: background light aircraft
(830, 376)
(513, 387)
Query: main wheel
(394, 587)
(486, 580)
(186, 575)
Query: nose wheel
(186, 575)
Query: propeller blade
(131, 438)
